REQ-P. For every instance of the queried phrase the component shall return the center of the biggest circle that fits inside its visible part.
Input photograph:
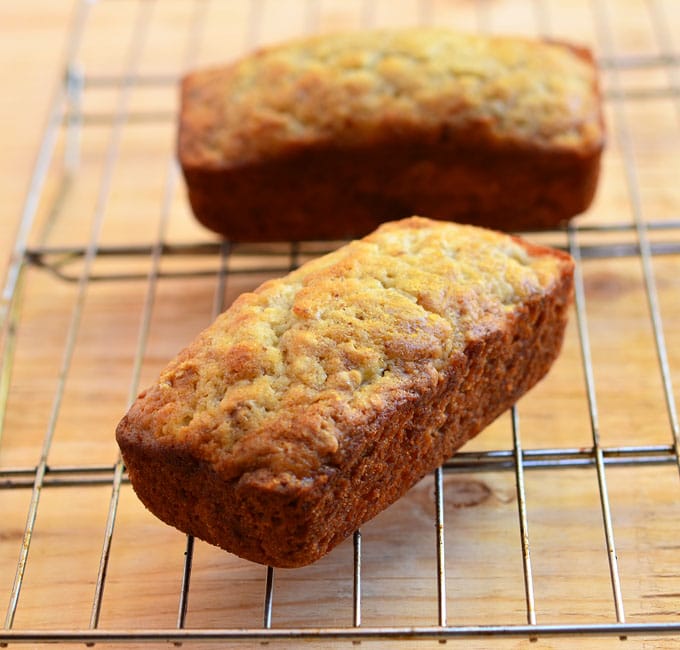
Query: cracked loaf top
(365, 88)
(279, 381)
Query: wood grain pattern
(123, 189)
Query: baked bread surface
(316, 400)
(328, 136)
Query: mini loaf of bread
(328, 137)
(317, 400)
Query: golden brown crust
(317, 400)
(328, 137)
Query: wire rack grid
(561, 519)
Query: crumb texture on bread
(327, 393)
(331, 342)
(361, 88)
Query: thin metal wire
(183, 607)
(516, 459)
(9, 347)
(119, 466)
(356, 583)
(462, 462)
(172, 177)
(218, 306)
(268, 599)
(664, 38)
(12, 289)
(544, 29)
(623, 61)
(41, 167)
(523, 522)
(75, 82)
(395, 633)
(190, 58)
(637, 61)
(580, 301)
(106, 549)
(141, 345)
(55, 259)
(587, 365)
(269, 581)
(624, 138)
(112, 155)
(441, 547)
(141, 116)
(561, 458)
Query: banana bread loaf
(317, 400)
(327, 137)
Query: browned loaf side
(317, 400)
(326, 138)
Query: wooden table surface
(97, 310)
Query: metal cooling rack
(80, 264)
